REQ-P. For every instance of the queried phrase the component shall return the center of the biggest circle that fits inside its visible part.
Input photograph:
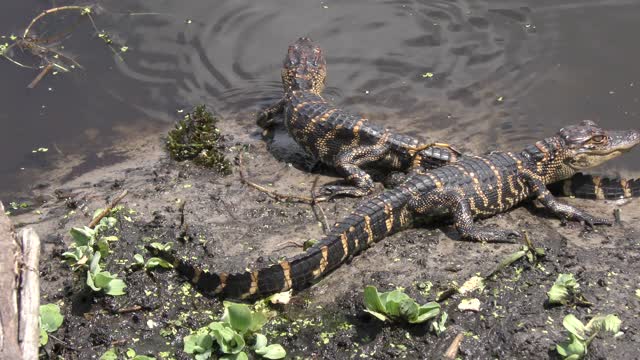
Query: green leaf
(83, 236)
(439, 326)
(377, 315)
(109, 355)
(273, 351)
(372, 300)
(558, 294)
(102, 279)
(44, 338)
(197, 343)
(408, 309)
(160, 246)
(138, 259)
(90, 282)
(103, 247)
(574, 348)
(239, 356)
(50, 317)
(575, 326)
(230, 342)
(143, 357)
(261, 341)
(238, 316)
(427, 311)
(156, 261)
(108, 222)
(94, 266)
(258, 320)
(611, 323)
(116, 287)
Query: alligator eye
(597, 138)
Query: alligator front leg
(349, 164)
(266, 117)
(455, 201)
(561, 210)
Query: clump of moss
(197, 138)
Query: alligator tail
(370, 222)
(595, 187)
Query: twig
(40, 76)
(50, 11)
(274, 194)
(287, 244)
(65, 344)
(129, 309)
(315, 205)
(104, 212)
(452, 350)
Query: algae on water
(196, 137)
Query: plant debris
(196, 137)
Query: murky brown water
(505, 72)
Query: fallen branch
(274, 194)
(30, 295)
(108, 209)
(20, 295)
(40, 76)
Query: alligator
(472, 187)
(344, 141)
(586, 186)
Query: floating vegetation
(197, 138)
(50, 50)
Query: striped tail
(370, 222)
(595, 187)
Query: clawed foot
(591, 221)
(494, 236)
(263, 119)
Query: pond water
(486, 74)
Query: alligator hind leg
(454, 200)
(265, 118)
(348, 164)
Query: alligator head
(304, 67)
(583, 146)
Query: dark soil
(231, 226)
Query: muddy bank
(230, 226)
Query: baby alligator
(472, 187)
(339, 139)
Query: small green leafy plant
(196, 137)
(50, 320)
(580, 335)
(397, 306)
(565, 291)
(89, 246)
(238, 325)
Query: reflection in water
(480, 74)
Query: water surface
(480, 74)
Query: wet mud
(229, 226)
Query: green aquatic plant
(398, 306)
(50, 320)
(228, 338)
(196, 137)
(580, 335)
(565, 291)
(89, 246)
